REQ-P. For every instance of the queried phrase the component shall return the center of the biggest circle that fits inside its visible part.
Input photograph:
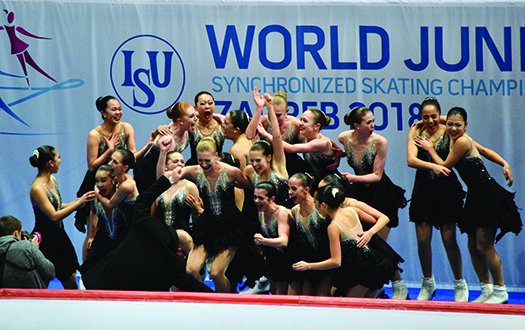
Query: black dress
(384, 195)
(322, 165)
(309, 242)
(436, 200)
(282, 197)
(219, 227)
(174, 211)
(147, 258)
(88, 183)
(145, 170)
(488, 205)
(277, 262)
(110, 231)
(55, 245)
(371, 266)
(294, 162)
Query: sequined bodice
(310, 228)
(290, 135)
(280, 183)
(182, 145)
(217, 135)
(102, 147)
(442, 148)
(222, 195)
(115, 224)
(269, 230)
(56, 201)
(472, 171)
(362, 163)
(170, 207)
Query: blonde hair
(207, 144)
(280, 98)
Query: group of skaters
(262, 212)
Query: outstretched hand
(257, 98)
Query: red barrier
(223, 298)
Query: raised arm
(165, 145)
(279, 158)
(251, 130)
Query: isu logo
(147, 74)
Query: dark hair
(227, 158)
(332, 195)
(102, 103)
(263, 146)
(104, 167)
(271, 189)
(41, 156)
(430, 101)
(201, 93)
(128, 158)
(320, 117)
(355, 116)
(176, 110)
(306, 179)
(334, 179)
(458, 111)
(9, 224)
(239, 119)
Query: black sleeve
(145, 199)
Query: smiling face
(206, 159)
(296, 190)
(174, 160)
(456, 126)
(205, 107)
(113, 112)
(430, 117)
(104, 183)
(260, 162)
(307, 126)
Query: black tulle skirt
(372, 266)
(436, 201)
(489, 205)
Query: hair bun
(281, 94)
